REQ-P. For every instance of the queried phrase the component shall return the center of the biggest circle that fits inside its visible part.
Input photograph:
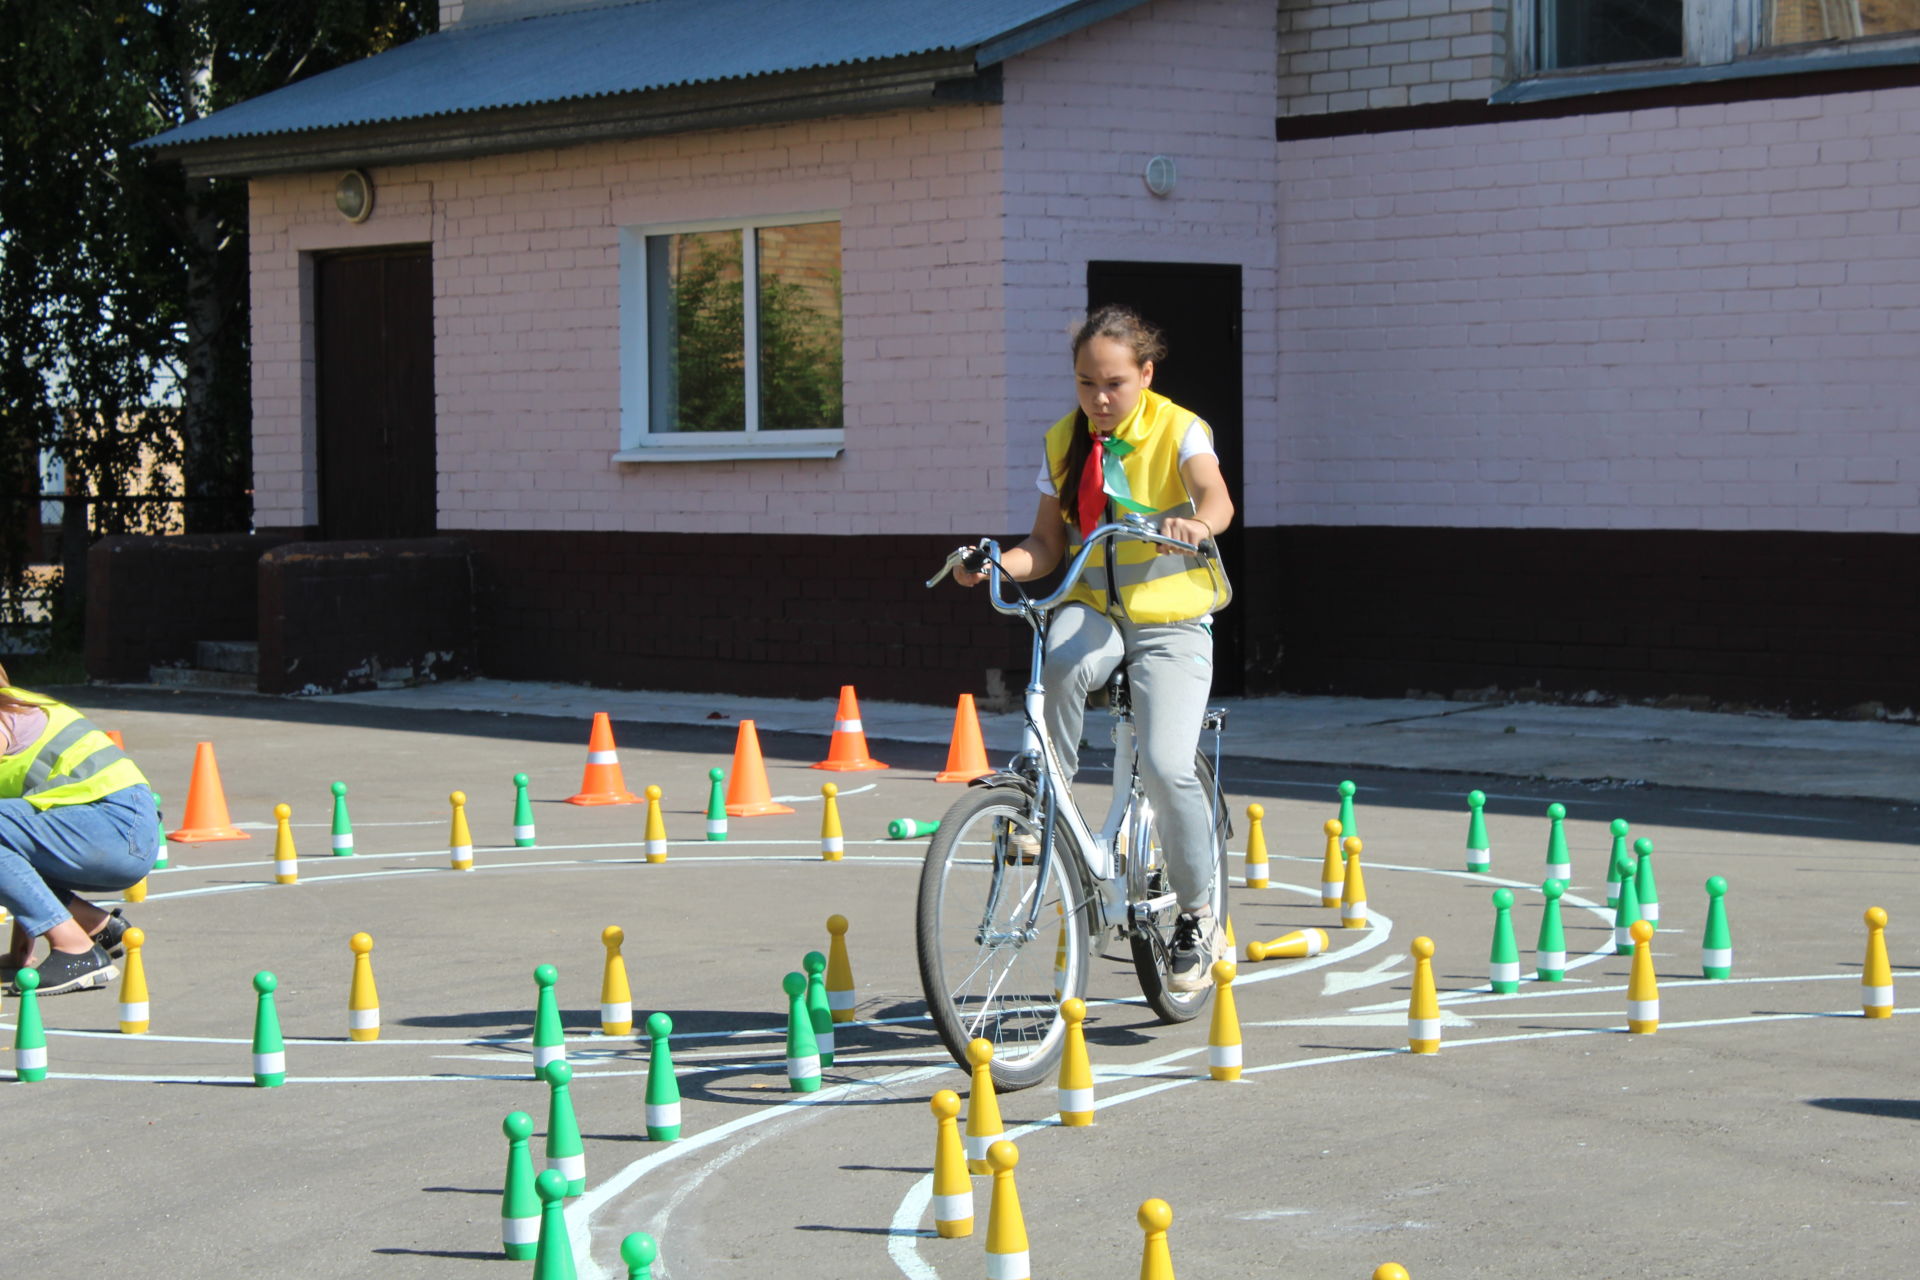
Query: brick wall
(527, 357)
(1687, 318)
(1357, 55)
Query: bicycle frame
(1044, 772)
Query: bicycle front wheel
(1151, 944)
(999, 948)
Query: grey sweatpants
(1170, 671)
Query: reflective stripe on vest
(71, 762)
(1153, 587)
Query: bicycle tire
(1005, 989)
(1150, 954)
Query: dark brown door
(1197, 307)
(373, 356)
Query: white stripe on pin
(30, 1059)
(545, 1053)
(363, 1019)
(656, 848)
(1223, 1055)
(134, 1012)
(523, 833)
(663, 1115)
(621, 1011)
(1076, 1101)
(1643, 1011)
(1423, 1028)
(1009, 1266)
(1504, 971)
(803, 1068)
(520, 1230)
(954, 1208)
(839, 1001)
(574, 1166)
(1878, 997)
(269, 1064)
(1717, 957)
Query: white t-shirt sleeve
(1197, 443)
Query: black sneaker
(111, 933)
(1197, 943)
(64, 971)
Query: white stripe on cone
(343, 842)
(976, 1144)
(656, 848)
(1874, 997)
(1223, 1055)
(287, 869)
(716, 826)
(461, 853)
(1423, 1028)
(269, 1064)
(663, 1115)
(1622, 937)
(1356, 912)
(1717, 957)
(1009, 1266)
(575, 1166)
(839, 1001)
(1076, 1101)
(1505, 971)
(545, 1053)
(30, 1059)
(523, 833)
(1643, 1011)
(833, 844)
(803, 1068)
(954, 1208)
(363, 1019)
(1550, 961)
(603, 757)
(520, 1230)
(1558, 871)
(1330, 889)
(847, 726)
(621, 1011)
(1650, 912)
(823, 1041)
(134, 1012)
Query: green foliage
(800, 348)
(123, 283)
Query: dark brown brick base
(791, 617)
(1793, 621)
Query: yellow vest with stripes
(1153, 587)
(71, 762)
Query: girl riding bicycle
(1128, 449)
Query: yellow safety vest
(1153, 587)
(71, 762)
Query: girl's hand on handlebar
(1185, 530)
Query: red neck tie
(1093, 488)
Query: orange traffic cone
(848, 749)
(602, 783)
(206, 804)
(966, 756)
(113, 736)
(748, 795)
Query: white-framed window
(731, 339)
(1633, 39)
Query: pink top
(18, 729)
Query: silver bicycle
(1017, 887)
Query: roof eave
(901, 82)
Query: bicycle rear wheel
(1151, 956)
(984, 974)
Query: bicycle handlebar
(987, 555)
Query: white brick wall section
(1420, 51)
(1699, 317)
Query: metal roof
(635, 48)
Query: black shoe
(65, 971)
(111, 933)
(1197, 943)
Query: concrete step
(228, 655)
(195, 678)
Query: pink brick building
(1545, 349)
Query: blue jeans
(102, 847)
